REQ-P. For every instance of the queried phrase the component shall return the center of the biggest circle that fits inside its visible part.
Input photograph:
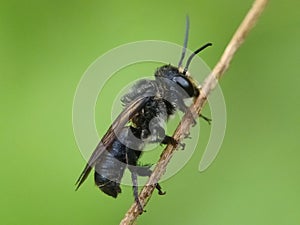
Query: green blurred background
(45, 47)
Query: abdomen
(110, 169)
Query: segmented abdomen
(110, 169)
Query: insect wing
(108, 139)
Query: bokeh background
(45, 47)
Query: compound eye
(185, 84)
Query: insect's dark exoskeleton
(147, 101)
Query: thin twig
(185, 124)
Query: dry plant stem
(187, 121)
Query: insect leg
(136, 190)
(208, 120)
(145, 171)
(158, 187)
(131, 159)
(170, 140)
(161, 137)
(182, 107)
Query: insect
(148, 105)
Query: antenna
(193, 55)
(186, 37)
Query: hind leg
(131, 160)
(145, 171)
(141, 171)
(136, 191)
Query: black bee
(147, 106)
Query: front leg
(182, 107)
(208, 120)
